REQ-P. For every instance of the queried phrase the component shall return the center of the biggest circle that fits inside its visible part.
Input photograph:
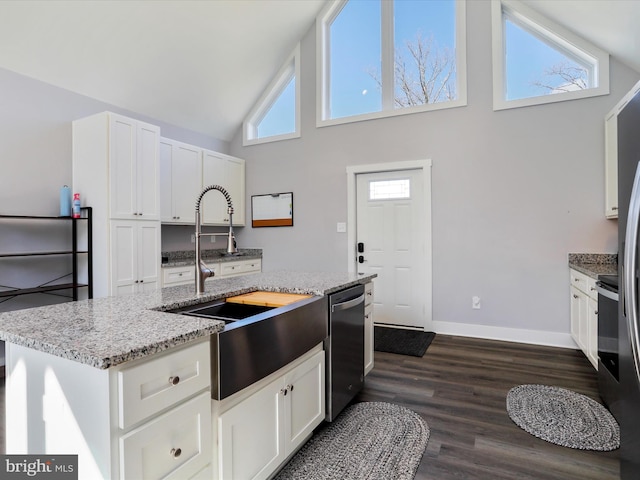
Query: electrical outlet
(193, 238)
(341, 227)
(475, 303)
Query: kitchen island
(88, 378)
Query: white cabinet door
(135, 254)
(124, 251)
(369, 331)
(250, 442)
(122, 166)
(368, 338)
(235, 177)
(259, 433)
(304, 401)
(148, 172)
(576, 303)
(181, 172)
(592, 332)
(148, 255)
(229, 173)
(133, 169)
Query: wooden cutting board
(267, 299)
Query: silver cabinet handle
(175, 452)
(174, 380)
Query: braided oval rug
(368, 440)
(563, 417)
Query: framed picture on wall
(272, 210)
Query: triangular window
(276, 115)
(537, 61)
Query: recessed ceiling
(202, 64)
(197, 64)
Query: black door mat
(402, 341)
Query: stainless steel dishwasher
(344, 349)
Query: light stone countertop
(109, 331)
(594, 264)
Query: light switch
(342, 227)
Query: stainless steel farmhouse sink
(257, 340)
(229, 312)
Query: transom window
(380, 58)
(537, 61)
(389, 189)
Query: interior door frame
(425, 167)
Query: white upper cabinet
(228, 172)
(133, 169)
(180, 181)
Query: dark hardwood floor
(459, 387)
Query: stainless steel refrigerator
(628, 307)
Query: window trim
(558, 36)
(290, 70)
(323, 21)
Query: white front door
(390, 241)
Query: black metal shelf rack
(74, 285)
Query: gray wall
(513, 192)
(35, 156)
(35, 141)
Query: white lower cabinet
(172, 276)
(242, 267)
(145, 419)
(135, 249)
(368, 327)
(183, 275)
(584, 315)
(174, 445)
(257, 434)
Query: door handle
(361, 259)
(360, 247)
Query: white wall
(513, 192)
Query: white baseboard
(534, 337)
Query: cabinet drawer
(368, 293)
(178, 275)
(239, 268)
(584, 283)
(251, 266)
(174, 445)
(149, 387)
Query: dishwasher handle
(605, 292)
(348, 304)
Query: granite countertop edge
(106, 332)
(184, 258)
(594, 264)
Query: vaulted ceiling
(202, 64)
